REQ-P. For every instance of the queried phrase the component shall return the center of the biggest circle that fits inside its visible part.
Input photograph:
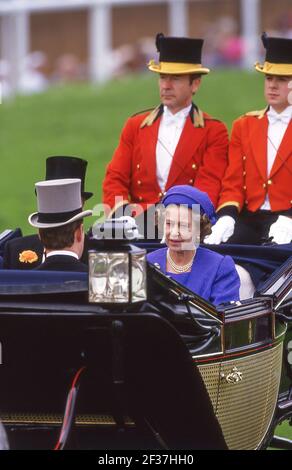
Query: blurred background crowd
(45, 43)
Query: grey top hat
(59, 203)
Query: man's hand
(221, 231)
(281, 230)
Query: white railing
(13, 6)
(15, 28)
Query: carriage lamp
(117, 268)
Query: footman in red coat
(175, 143)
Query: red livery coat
(246, 182)
(200, 159)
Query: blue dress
(212, 276)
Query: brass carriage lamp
(117, 268)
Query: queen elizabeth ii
(189, 214)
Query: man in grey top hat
(27, 252)
(60, 223)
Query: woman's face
(182, 228)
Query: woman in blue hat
(189, 215)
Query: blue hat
(188, 195)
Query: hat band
(176, 67)
(274, 68)
(59, 217)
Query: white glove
(281, 230)
(221, 231)
(3, 439)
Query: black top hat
(178, 56)
(278, 59)
(60, 167)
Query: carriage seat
(247, 287)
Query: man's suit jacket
(62, 263)
(14, 253)
(14, 249)
(246, 182)
(200, 159)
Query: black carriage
(170, 372)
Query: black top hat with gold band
(278, 59)
(178, 56)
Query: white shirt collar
(183, 112)
(62, 252)
(285, 115)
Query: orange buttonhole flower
(28, 256)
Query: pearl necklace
(178, 268)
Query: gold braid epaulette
(142, 112)
(148, 121)
(258, 114)
(198, 118)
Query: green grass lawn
(284, 430)
(86, 121)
